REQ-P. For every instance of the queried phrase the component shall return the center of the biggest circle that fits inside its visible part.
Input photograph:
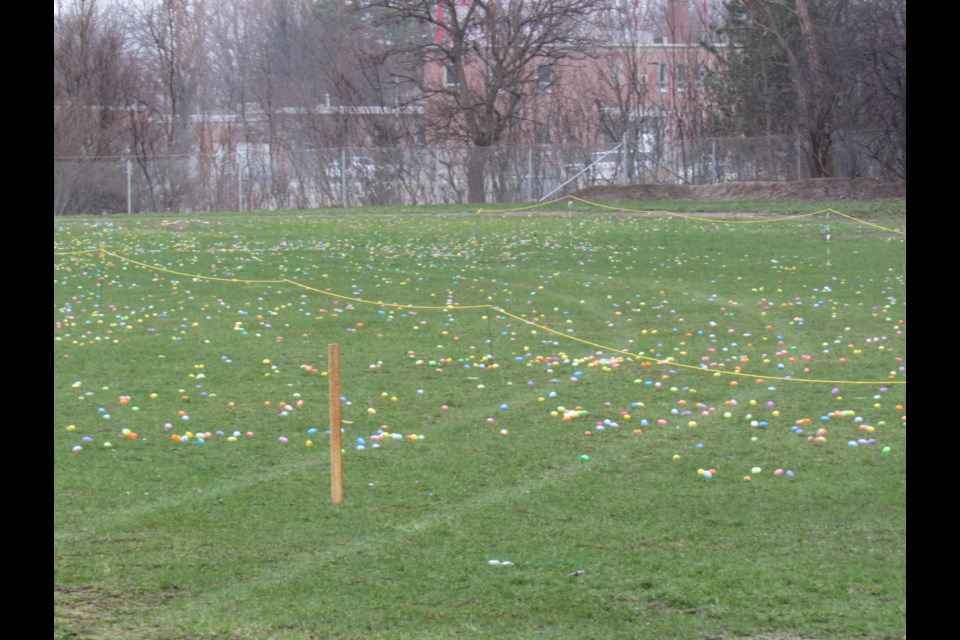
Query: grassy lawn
(658, 427)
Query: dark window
(545, 77)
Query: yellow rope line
(738, 221)
(674, 214)
(527, 208)
(897, 231)
(189, 275)
(690, 366)
(694, 217)
(75, 253)
(380, 303)
(661, 361)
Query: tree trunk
(818, 92)
(821, 154)
(476, 174)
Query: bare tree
(877, 70)
(796, 48)
(91, 84)
(482, 60)
(828, 71)
(170, 54)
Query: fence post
(529, 173)
(715, 177)
(129, 187)
(343, 177)
(239, 185)
(336, 437)
(624, 155)
(436, 177)
(799, 166)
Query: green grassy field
(624, 412)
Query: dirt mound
(816, 189)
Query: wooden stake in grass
(336, 437)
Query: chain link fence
(258, 177)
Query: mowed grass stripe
(156, 539)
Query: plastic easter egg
(503, 432)
(282, 440)
(77, 449)
(707, 475)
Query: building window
(701, 76)
(542, 134)
(619, 75)
(662, 73)
(545, 77)
(450, 78)
(681, 77)
(495, 79)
